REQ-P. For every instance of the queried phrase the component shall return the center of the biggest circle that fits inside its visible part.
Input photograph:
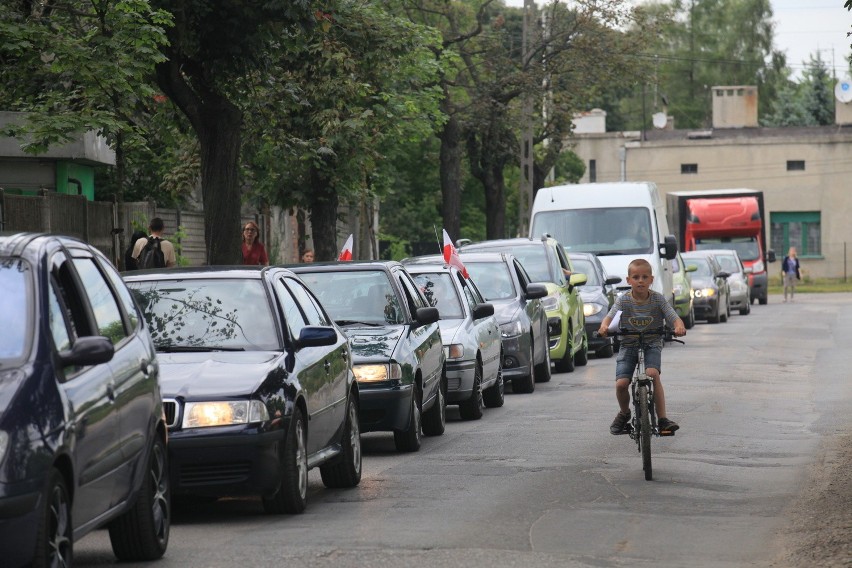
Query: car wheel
(54, 545)
(581, 357)
(747, 309)
(690, 319)
(762, 301)
(408, 440)
(345, 470)
(527, 384)
(495, 395)
(292, 494)
(723, 317)
(471, 409)
(435, 419)
(542, 370)
(142, 533)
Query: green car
(545, 261)
(682, 287)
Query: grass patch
(815, 285)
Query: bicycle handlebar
(667, 333)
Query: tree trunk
(495, 201)
(219, 138)
(323, 217)
(451, 174)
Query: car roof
(204, 272)
(343, 265)
(544, 240)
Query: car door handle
(146, 367)
(327, 365)
(110, 388)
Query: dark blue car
(82, 434)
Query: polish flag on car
(346, 251)
(451, 255)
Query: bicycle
(643, 423)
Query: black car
(598, 293)
(398, 356)
(257, 381)
(712, 300)
(82, 435)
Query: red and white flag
(346, 251)
(451, 255)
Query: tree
(78, 66)
(213, 65)
(356, 85)
(810, 102)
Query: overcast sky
(804, 27)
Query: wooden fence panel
(23, 213)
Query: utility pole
(525, 189)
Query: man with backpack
(154, 251)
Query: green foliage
(809, 102)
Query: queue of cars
(119, 393)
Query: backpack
(152, 255)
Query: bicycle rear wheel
(645, 431)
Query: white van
(619, 222)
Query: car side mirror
(770, 256)
(483, 310)
(425, 316)
(691, 267)
(578, 279)
(669, 247)
(316, 336)
(88, 350)
(535, 291)
(723, 274)
(613, 280)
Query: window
(796, 229)
(104, 305)
(795, 165)
(689, 168)
(295, 319)
(593, 171)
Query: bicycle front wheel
(645, 431)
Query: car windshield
(609, 231)
(207, 314)
(440, 293)
(582, 266)
(532, 256)
(357, 296)
(746, 247)
(728, 263)
(14, 307)
(703, 266)
(493, 280)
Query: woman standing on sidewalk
(790, 272)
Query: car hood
(372, 343)
(217, 374)
(703, 282)
(449, 329)
(505, 310)
(593, 295)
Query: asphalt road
(541, 482)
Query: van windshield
(605, 231)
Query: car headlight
(223, 413)
(511, 329)
(705, 292)
(454, 351)
(4, 444)
(550, 302)
(377, 372)
(592, 309)
(757, 266)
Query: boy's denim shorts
(628, 358)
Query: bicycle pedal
(667, 433)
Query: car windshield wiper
(196, 349)
(608, 253)
(357, 322)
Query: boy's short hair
(157, 225)
(637, 263)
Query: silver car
(737, 281)
(471, 337)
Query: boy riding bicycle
(641, 302)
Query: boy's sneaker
(666, 425)
(619, 425)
